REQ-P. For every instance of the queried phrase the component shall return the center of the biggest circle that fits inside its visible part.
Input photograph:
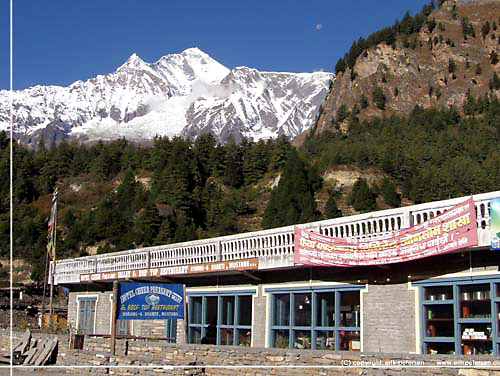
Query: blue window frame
(220, 319)
(460, 316)
(318, 318)
(171, 330)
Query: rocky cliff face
(437, 68)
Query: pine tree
(331, 209)
(148, 225)
(340, 66)
(362, 197)
(202, 163)
(379, 98)
(279, 153)
(292, 201)
(255, 162)
(493, 57)
(389, 193)
(166, 232)
(233, 171)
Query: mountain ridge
(183, 94)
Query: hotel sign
(212, 267)
(450, 231)
(150, 301)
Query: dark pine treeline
(196, 189)
(432, 154)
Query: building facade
(245, 290)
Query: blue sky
(57, 42)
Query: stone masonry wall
(205, 360)
(389, 319)
(149, 328)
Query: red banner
(450, 231)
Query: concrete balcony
(266, 249)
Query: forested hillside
(432, 154)
(392, 131)
(116, 196)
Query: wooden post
(52, 271)
(113, 317)
(186, 324)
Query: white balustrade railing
(274, 247)
(197, 252)
(130, 260)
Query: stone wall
(205, 359)
(161, 358)
(149, 328)
(389, 322)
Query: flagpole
(52, 265)
(45, 279)
(52, 270)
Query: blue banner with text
(150, 301)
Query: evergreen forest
(120, 195)
(199, 189)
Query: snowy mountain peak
(185, 94)
(133, 62)
(194, 51)
(133, 58)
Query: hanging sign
(495, 224)
(450, 231)
(211, 267)
(150, 301)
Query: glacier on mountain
(184, 94)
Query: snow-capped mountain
(181, 94)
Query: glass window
(244, 337)
(281, 338)
(171, 330)
(226, 336)
(350, 341)
(302, 339)
(195, 335)
(475, 301)
(195, 305)
(220, 319)
(309, 320)
(325, 340)
(228, 310)
(325, 314)
(245, 310)
(458, 317)
(302, 309)
(211, 311)
(349, 308)
(281, 309)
